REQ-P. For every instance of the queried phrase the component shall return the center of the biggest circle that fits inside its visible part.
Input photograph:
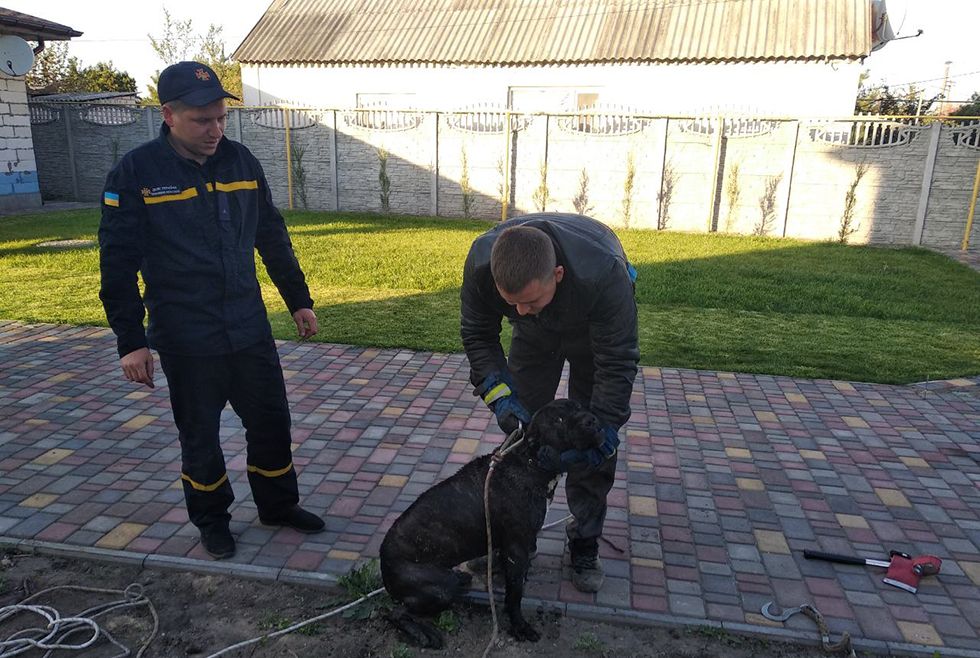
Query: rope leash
(843, 647)
(515, 439)
(54, 636)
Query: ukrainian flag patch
(111, 199)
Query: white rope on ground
(297, 625)
(58, 629)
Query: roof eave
(35, 29)
(568, 62)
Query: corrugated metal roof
(524, 32)
(33, 28)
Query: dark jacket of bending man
(564, 283)
(187, 211)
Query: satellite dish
(16, 55)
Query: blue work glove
(498, 394)
(609, 437)
(579, 460)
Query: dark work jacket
(595, 296)
(192, 230)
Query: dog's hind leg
(417, 632)
(427, 589)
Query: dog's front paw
(524, 632)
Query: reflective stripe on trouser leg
(258, 396)
(207, 499)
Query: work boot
(294, 517)
(217, 541)
(587, 574)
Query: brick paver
(723, 480)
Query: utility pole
(944, 107)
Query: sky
(117, 31)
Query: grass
(719, 302)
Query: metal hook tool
(786, 614)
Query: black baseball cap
(192, 83)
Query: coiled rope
(55, 634)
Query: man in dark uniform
(566, 287)
(188, 210)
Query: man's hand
(137, 366)
(305, 320)
(497, 393)
(510, 414)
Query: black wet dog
(446, 525)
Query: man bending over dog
(564, 284)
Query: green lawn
(717, 302)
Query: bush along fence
(865, 179)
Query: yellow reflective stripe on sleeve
(497, 392)
(204, 487)
(237, 185)
(189, 193)
(209, 187)
(270, 474)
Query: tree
(969, 109)
(104, 77)
(50, 66)
(55, 72)
(177, 43)
(881, 99)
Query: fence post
(149, 123)
(663, 168)
(715, 170)
(789, 175)
(434, 184)
(973, 207)
(334, 169)
(544, 174)
(66, 113)
(506, 195)
(241, 128)
(289, 161)
(920, 215)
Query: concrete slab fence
(878, 180)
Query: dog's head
(560, 433)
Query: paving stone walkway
(724, 479)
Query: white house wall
(770, 88)
(18, 169)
